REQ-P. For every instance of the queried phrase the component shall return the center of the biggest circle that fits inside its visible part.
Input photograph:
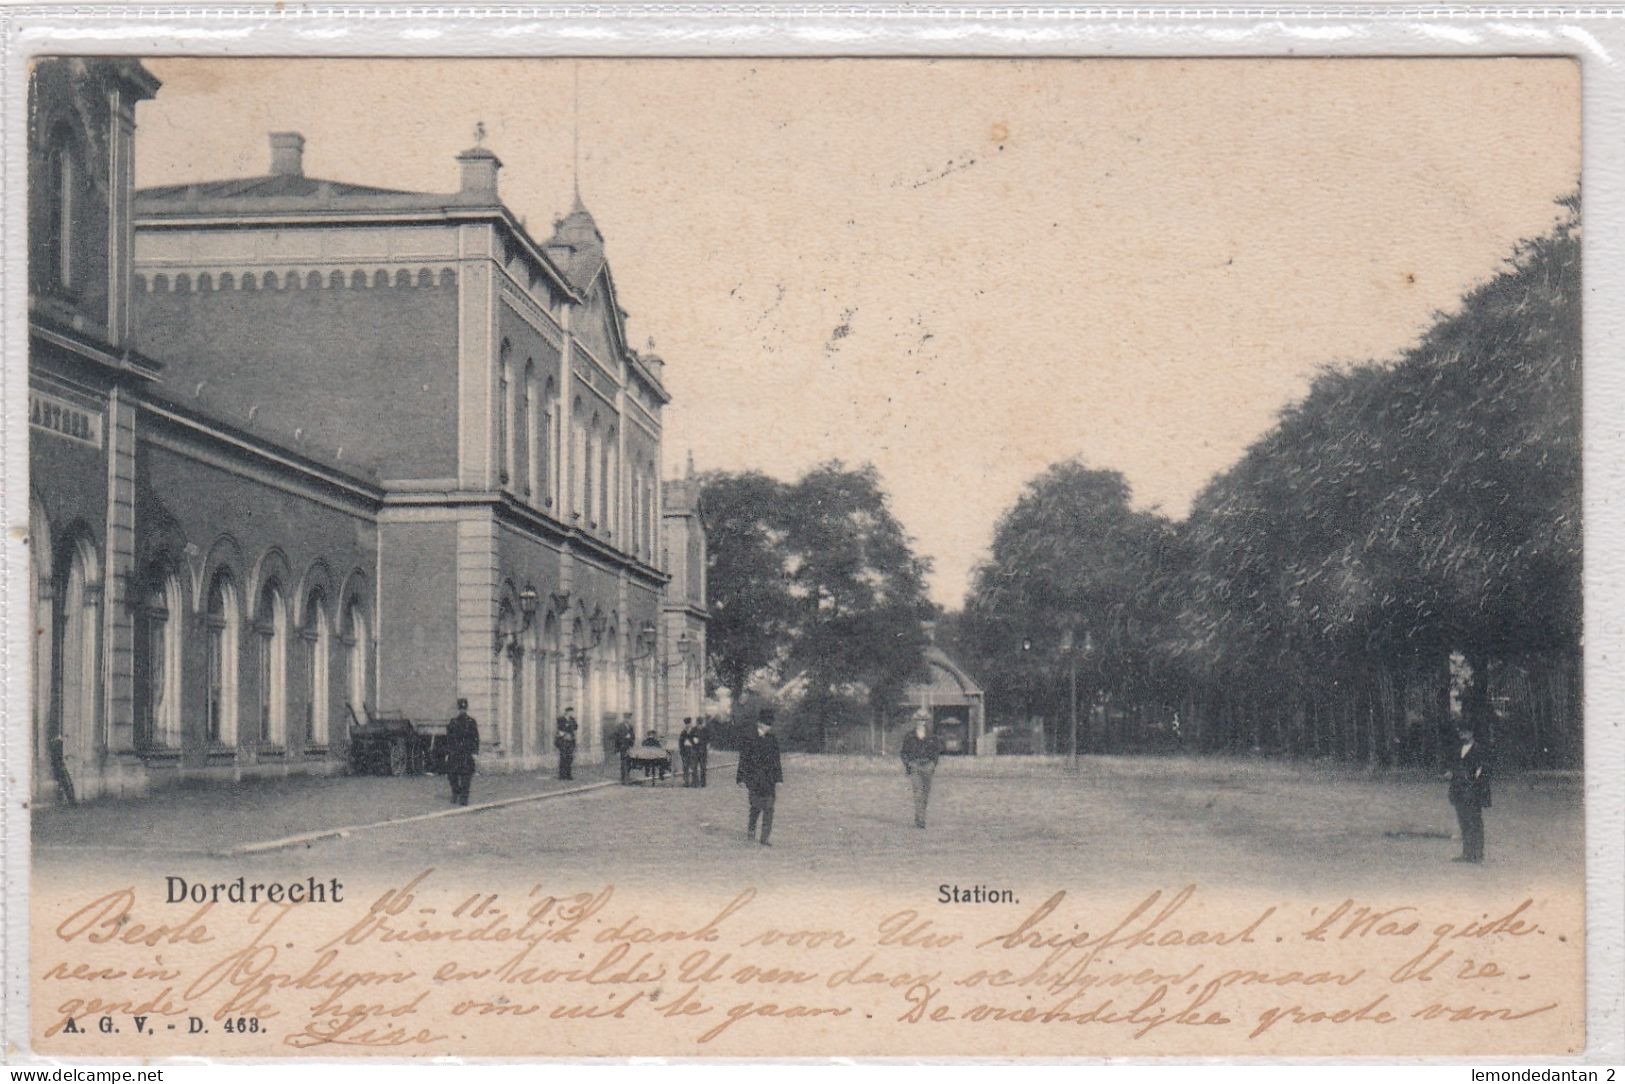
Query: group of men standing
(693, 749)
(760, 770)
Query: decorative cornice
(215, 277)
(127, 362)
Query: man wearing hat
(624, 741)
(759, 773)
(462, 743)
(921, 751)
(702, 747)
(565, 742)
(1470, 793)
(688, 748)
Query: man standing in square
(565, 742)
(1470, 794)
(760, 772)
(688, 748)
(921, 751)
(624, 741)
(462, 744)
(702, 750)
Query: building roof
(946, 676)
(578, 244)
(573, 258)
(273, 186)
(680, 496)
(286, 192)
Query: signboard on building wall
(64, 419)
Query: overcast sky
(961, 271)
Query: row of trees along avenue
(1401, 550)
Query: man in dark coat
(702, 750)
(462, 744)
(759, 773)
(565, 742)
(921, 751)
(1470, 794)
(688, 748)
(625, 739)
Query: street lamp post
(1068, 648)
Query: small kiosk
(956, 705)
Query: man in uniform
(921, 751)
(702, 749)
(759, 773)
(462, 743)
(688, 748)
(625, 739)
(1470, 794)
(565, 742)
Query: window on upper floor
(62, 181)
(547, 473)
(589, 504)
(504, 439)
(610, 494)
(531, 447)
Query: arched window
(355, 656)
(647, 526)
(508, 654)
(42, 613)
(62, 197)
(635, 542)
(605, 679)
(271, 657)
(504, 437)
(612, 479)
(581, 665)
(578, 462)
(547, 474)
(593, 472)
(316, 648)
(528, 473)
(77, 718)
(222, 623)
(589, 483)
(157, 661)
(603, 479)
(551, 671)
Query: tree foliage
(1072, 585)
(1400, 514)
(815, 579)
(749, 594)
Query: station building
(304, 450)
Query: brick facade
(392, 451)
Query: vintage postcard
(803, 557)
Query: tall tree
(858, 586)
(750, 604)
(816, 578)
(1074, 583)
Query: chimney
(479, 174)
(287, 154)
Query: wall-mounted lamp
(508, 639)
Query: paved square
(1007, 822)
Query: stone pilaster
(477, 579)
(118, 621)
